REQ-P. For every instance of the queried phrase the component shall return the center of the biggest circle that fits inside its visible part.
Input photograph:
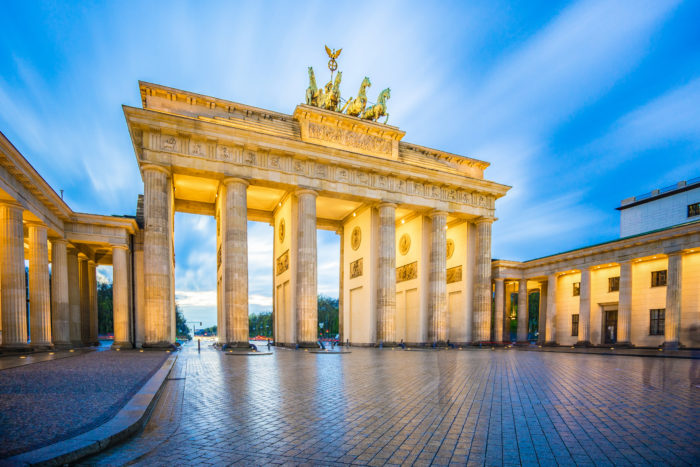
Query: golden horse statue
(378, 110)
(330, 97)
(312, 92)
(357, 105)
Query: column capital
(674, 253)
(36, 224)
(499, 279)
(10, 203)
(387, 204)
(157, 168)
(436, 213)
(120, 247)
(483, 220)
(91, 263)
(229, 180)
(306, 191)
(58, 241)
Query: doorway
(610, 327)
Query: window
(574, 325)
(694, 210)
(613, 284)
(658, 278)
(657, 320)
(577, 289)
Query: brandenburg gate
(414, 222)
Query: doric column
(584, 307)
(672, 325)
(522, 310)
(157, 260)
(386, 274)
(39, 294)
(482, 282)
(120, 297)
(74, 310)
(624, 305)
(60, 315)
(550, 337)
(92, 288)
(12, 281)
(307, 304)
(235, 259)
(84, 300)
(438, 278)
(500, 311)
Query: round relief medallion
(356, 238)
(281, 230)
(450, 248)
(404, 244)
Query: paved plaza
(375, 407)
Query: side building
(641, 290)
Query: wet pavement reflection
(443, 407)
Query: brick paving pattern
(390, 407)
(53, 400)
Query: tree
(210, 331)
(182, 329)
(260, 324)
(328, 316)
(105, 309)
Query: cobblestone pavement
(374, 407)
(49, 401)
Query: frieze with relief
(407, 272)
(454, 274)
(283, 262)
(356, 268)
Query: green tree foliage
(105, 313)
(328, 316)
(210, 331)
(182, 329)
(260, 325)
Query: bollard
(199, 345)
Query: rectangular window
(613, 284)
(574, 325)
(694, 210)
(577, 289)
(657, 320)
(658, 278)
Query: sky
(576, 105)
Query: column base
(673, 345)
(76, 344)
(158, 346)
(15, 348)
(308, 345)
(583, 344)
(386, 344)
(122, 345)
(236, 345)
(62, 345)
(624, 345)
(42, 346)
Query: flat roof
(660, 193)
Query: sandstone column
(157, 260)
(624, 305)
(386, 275)
(235, 259)
(500, 311)
(120, 297)
(523, 312)
(307, 304)
(12, 281)
(584, 308)
(60, 315)
(341, 319)
(438, 278)
(672, 325)
(39, 294)
(74, 317)
(84, 300)
(542, 313)
(482, 282)
(550, 326)
(92, 288)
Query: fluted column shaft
(74, 310)
(12, 280)
(39, 294)
(156, 261)
(386, 275)
(482, 282)
(60, 316)
(523, 311)
(120, 297)
(624, 305)
(500, 311)
(84, 300)
(306, 287)
(92, 288)
(438, 278)
(550, 328)
(235, 258)
(584, 307)
(672, 325)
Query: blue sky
(577, 105)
